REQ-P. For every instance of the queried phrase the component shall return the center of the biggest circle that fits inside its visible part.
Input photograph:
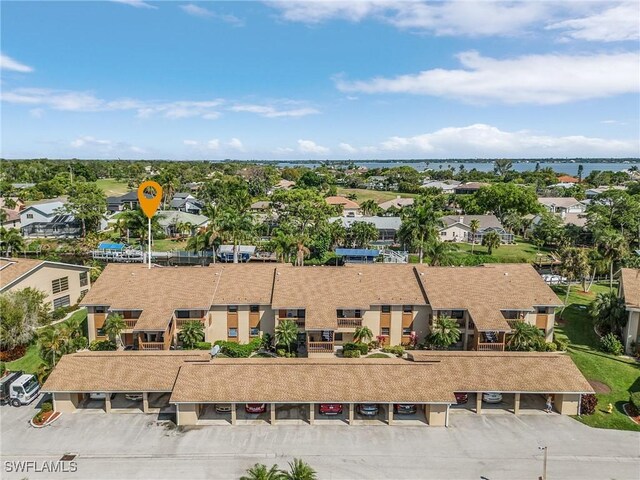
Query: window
(358, 313)
(233, 333)
(61, 302)
(337, 337)
(254, 332)
(60, 284)
(29, 215)
(384, 331)
(407, 309)
(254, 309)
(100, 310)
(457, 314)
(385, 309)
(232, 309)
(84, 279)
(443, 233)
(406, 331)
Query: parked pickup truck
(18, 388)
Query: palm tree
(338, 233)
(608, 312)
(260, 472)
(113, 327)
(613, 247)
(474, 226)
(52, 344)
(369, 208)
(301, 250)
(444, 332)
(439, 253)
(286, 333)
(137, 224)
(419, 225)
(192, 332)
(363, 334)
(524, 337)
(236, 225)
(299, 470)
(491, 240)
(575, 264)
(72, 327)
(11, 242)
(282, 245)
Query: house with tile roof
(348, 208)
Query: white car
(100, 396)
(491, 397)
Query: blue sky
(320, 80)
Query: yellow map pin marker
(149, 205)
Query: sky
(244, 80)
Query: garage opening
(253, 414)
(371, 414)
(410, 414)
(535, 403)
(95, 401)
(127, 402)
(159, 402)
(292, 413)
(331, 414)
(214, 413)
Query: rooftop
(345, 202)
(563, 202)
(11, 269)
(486, 221)
(630, 285)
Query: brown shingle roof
(564, 202)
(630, 284)
(486, 290)
(242, 284)
(136, 371)
(345, 202)
(323, 290)
(12, 269)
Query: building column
(145, 402)
(107, 402)
(272, 412)
(233, 414)
(479, 403)
(390, 415)
(516, 404)
(351, 408)
(312, 413)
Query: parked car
(100, 396)
(492, 397)
(134, 397)
(255, 408)
(461, 398)
(367, 409)
(330, 408)
(223, 407)
(405, 408)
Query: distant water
(568, 167)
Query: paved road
(493, 447)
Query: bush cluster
(238, 350)
(361, 348)
(561, 345)
(611, 344)
(351, 354)
(102, 345)
(397, 350)
(203, 346)
(588, 404)
(62, 312)
(635, 400)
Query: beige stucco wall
(65, 402)
(267, 320)
(436, 415)
(187, 414)
(631, 331)
(42, 278)
(217, 330)
(421, 321)
(454, 233)
(243, 324)
(567, 403)
(371, 319)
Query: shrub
(46, 407)
(203, 346)
(395, 349)
(635, 400)
(238, 350)
(80, 343)
(102, 345)
(588, 404)
(610, 344)
(281, 352)
(363, 348)
(550, 347)
(3, 368)
(373, 345)
(351, 354)
(561, 345)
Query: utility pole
(544, 462)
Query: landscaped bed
(621, 375)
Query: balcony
(151, 345)
(130, 322)
(320, 347)
(299, 321)
(349, 322)
(180, 322)
(490, 347)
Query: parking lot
(119, 446)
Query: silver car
(492, 397)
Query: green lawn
(166, 245)
(112, 187)
(620, 374)
(29, 363)
(377, 195)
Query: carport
(291, 413)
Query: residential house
(11, 218)
(128, 201)
(629, 290)
(284, 185)
(376, 182)
(387, 227)
(63, 283)
(185, 202)
(562, 205)
(398, 203)
(349, 208)
(468, 188)
(457, 228)
(174, 222)
(446, 186)
(48, 219)
(568, 179)
(593, 192)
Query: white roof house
(562, 204)
(397, 202)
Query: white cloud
(88, 141)
(190, 143)
(202, 12)
(236, 144)
(89, 145)
(309, 146)
(182, 109)
(618, 23)
(283, 150)
(273, 112)
(533, 79)
(136, 3)
(36, 112)
(347, 148)
(196, 11)
(213, 144)
(480, 140)
(8, 63)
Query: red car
(255, 408)
(330, 408)
(461, 398)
